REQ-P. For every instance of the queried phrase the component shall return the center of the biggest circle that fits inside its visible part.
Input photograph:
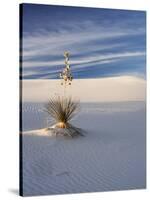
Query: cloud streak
(92, 42)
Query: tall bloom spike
(66, 75)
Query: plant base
(65, 130)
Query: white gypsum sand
(123, 88)
(111, 156)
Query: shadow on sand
(14, 191)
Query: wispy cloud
(86, 60)
(91, 42)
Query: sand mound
(39, 132)
(54, 131)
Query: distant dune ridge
(123, 88)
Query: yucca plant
(62, 110)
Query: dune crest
(123, 88)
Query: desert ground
(111, 154)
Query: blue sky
(102, 42)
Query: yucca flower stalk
(62, 110)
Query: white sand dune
(111, 155)
(38, 132)
(123, 88)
